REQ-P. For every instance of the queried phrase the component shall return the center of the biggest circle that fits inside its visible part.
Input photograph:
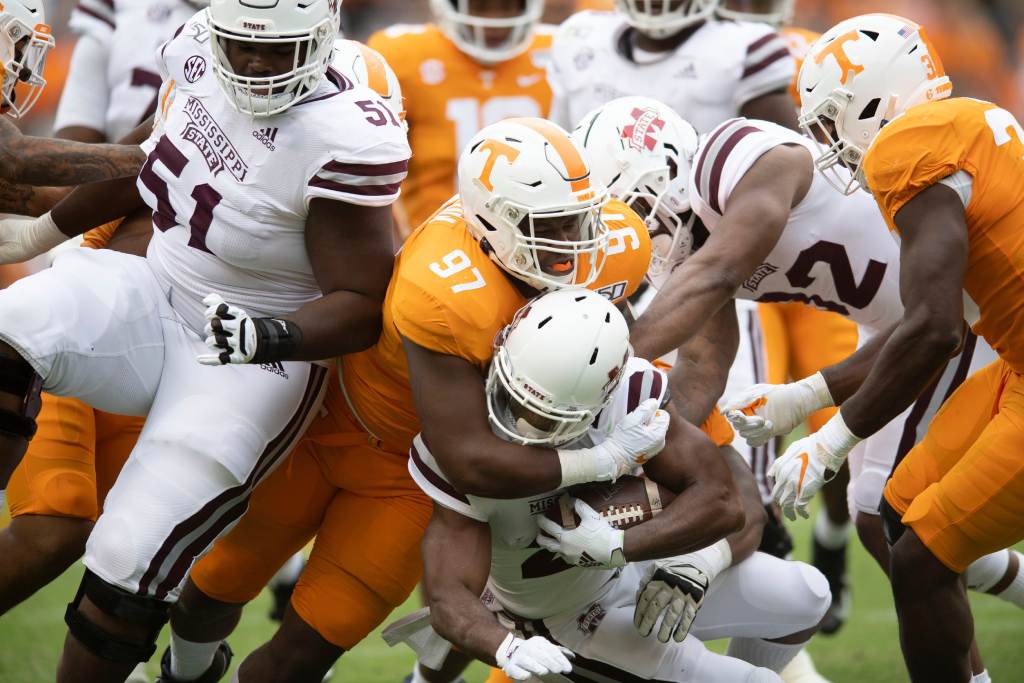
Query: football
(624, 503)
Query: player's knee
(892, 522)
(195, 613)
(298, 653)
(113, 623)
(60, 542)
(812, 596)
(914, 565)
(20, 399)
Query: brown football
(624, 503)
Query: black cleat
(220, 666)
(832, 563)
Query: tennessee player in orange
(945, 173)
(528, 219)
(480, 62)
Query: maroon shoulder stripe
(708, 145)
(367, 169)
(781, 53)
(434, 478)
(364, 190)
(761, 42)
(96, 15)
(719, 165)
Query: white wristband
(22, 239)
(819, 387)
(838, 441)
(579, 466)
(502, 653)
(713, 560)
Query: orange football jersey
(799, 41)
(934, 140)
(448, 296)
(449, 97)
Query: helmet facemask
(840, 159)
(775, 13)
(23, 51)
(664, 18)
(474, 34)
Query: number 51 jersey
(835, 252)
(230, 193)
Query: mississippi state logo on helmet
(641, 134)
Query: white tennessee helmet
(858, 76)
(366, 66)
(775, 13)
(642, 150)
(555, 367)
(310, 27)
(488, 40)
(527, 195)
(25, 39)
(664, 18)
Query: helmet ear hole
(870, 110)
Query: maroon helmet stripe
(366, 190)
(434, 478)
(719, 165)
(781, 53)
(367, 169)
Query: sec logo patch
(195, 67)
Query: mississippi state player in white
(270, 257)
(549, 383)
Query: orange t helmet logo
(495, 149)
(837, 49)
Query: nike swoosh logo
(803, 470)
(751, 410)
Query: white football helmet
(775, 13)
(858, 76)
(555, 367)
(366, 66)
(469, 31)
(25, 40)
(664, 18)
(516, 178)
(311, 27)
(643, 150)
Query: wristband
(579, 466)
(838, 441)
(713, 560)
(503, 653)
(819, 387)
(276, 339)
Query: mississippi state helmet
(643, 150)
(366, 66)
(772, 12)
(555, 367)
(858, 76)
(663, 18)
(311, 27)
(488, 40)
(528, 197)
(25, 40)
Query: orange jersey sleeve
(935, 140)
(449, 98)
(799, 41)
(97, 238)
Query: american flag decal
(905, 31)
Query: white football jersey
(525, 579)
(835, 253)
(230, 193)
(707, 79)
(133, 31)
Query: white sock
(829, 534)
(774, 656)
(981, 678)
(234, 676)
(190, 660)
(987, 571)
(289, 571)
(417, 677)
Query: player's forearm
(335, 324)
(491, 468)
(697, 381)
(910, 359)
(96, 204)
(45, 161)
(746, 541)
(459, 617)
(25, 200)
(844, 378)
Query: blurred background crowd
(981, 41)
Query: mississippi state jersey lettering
(527, 580)
(450, 97)
(230, 194)
(447, 295)
(707, 79)
(834, 253)
(935, 140)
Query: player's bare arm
(776, 107)
(933, 258)
(845, 378)
(707, 507)
(702, 365)
(757, 213)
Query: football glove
(593, 543)
(22, 239)
(236, 337)
(520, 659)
(637, 438)
(673, 589)
(765, 411)
(808, 463)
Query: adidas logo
(266, 136)
(275, 368)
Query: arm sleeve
(86, 96)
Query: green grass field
(865, 650)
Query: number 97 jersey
(230, 193)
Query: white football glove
(808, 463)
(673, 589)
(637, 438)
(764, 411)
(22, 239)
(520, 659)
(594, 543)
(229, 332)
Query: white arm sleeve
(86, 95)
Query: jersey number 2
(851, 292)
(164, 217)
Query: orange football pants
(800, 341)
(72, 461)
(961, 489)
(366, 512)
